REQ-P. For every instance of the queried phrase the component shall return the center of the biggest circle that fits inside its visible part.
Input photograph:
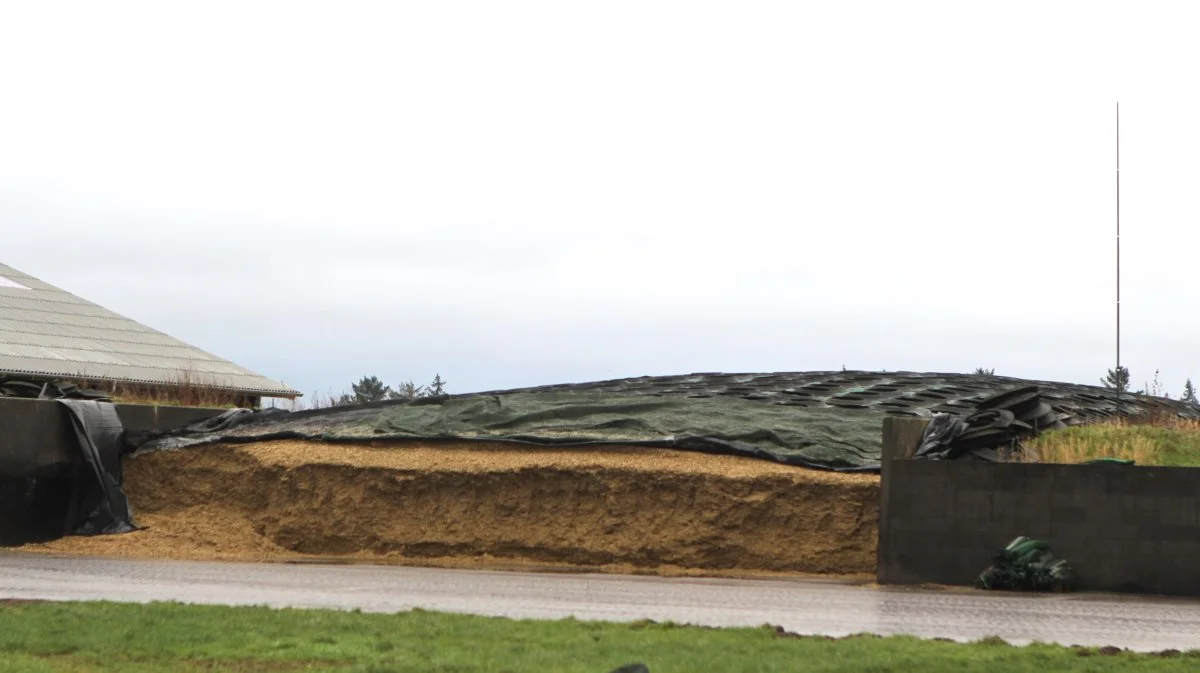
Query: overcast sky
(516, 193)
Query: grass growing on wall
(1170, 442)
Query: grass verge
(170, 637)
(1173, 442)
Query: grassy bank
(167, 637)
(1174, 442)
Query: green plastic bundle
(1028, 564)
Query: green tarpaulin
(828, 420)
(822, 438)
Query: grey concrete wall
(39, 457)
(36, 435)
(155, 417)
(901, 439)
(1123, 528)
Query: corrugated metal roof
(46, 331)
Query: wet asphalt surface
(801, 606)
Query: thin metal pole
(1118, 374)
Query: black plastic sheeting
(48, 390)
(180, 437)
(81, 497)
(99, 506)
(998, 423)
(892, 393)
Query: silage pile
(480, 504)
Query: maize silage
(484, 504)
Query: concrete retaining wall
(39, 456)
(1123, 528)
(36, 435)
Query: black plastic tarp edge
(100, 505)
(696, 443)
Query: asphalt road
(801, 606)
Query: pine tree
(406, 391)
(980, 371)
(1117, 379)
(436, 387)
(369, 389)
(1189, 393)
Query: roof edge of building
(262, 391)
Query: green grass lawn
(170, 637)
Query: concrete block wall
(1123, 528)
(39, 457)
(36, 435)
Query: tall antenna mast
(1118, 370)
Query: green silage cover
(836, 439)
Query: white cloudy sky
(516, 193)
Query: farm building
(48, 334)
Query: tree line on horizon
(370, 389)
